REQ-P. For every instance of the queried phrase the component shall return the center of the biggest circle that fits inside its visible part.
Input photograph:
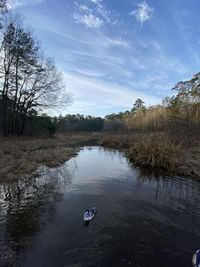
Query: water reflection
(45, 211)
(21, 205)
(179, 192)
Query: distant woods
(77, 123)
(180, 111)
(29, 80)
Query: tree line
(180, 111)
(77, 123)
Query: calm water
(143, 219)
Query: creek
(144, 218)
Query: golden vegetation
(168, 134)
(19, 156)
(157, 150)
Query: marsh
(144, 218)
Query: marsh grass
(156, 151)
(179, 154)
(19, 156)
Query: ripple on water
(141, 215)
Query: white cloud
(85, 16)
(87, 72)
(104, 13)
(14, 3)
(116, 42)
(11, 4)
(172, 64)
(97, 2)
(93, 16)
(84, 8)
(143, 13)
(102, 97)
(89, 20)
(102, 10)
(115, 22)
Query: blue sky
(112, 52)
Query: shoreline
(157, 150)
(24, 155)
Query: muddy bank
(158, 150)
(19, 156)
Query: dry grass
(19, 156)
(153, 151)
(158, 150)
(118, 141)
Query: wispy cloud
(87, 72)
(89, 20)
(84, 8)
(92, 15)
(101, 9)
(84, 15)
(97, 2)
(12, 4)
(109, 42)
(143, 12)
(105, 97)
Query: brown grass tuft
(153, 151)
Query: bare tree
(29, 80)
(40, 88)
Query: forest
(179, 111)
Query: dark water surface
(143, 219)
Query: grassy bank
(175, 153)
(19, 155)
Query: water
(143, 218)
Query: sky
(112, 52)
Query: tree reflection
(178, 192)
(22, 204)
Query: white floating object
(89, 214)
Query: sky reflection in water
(143, 219)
